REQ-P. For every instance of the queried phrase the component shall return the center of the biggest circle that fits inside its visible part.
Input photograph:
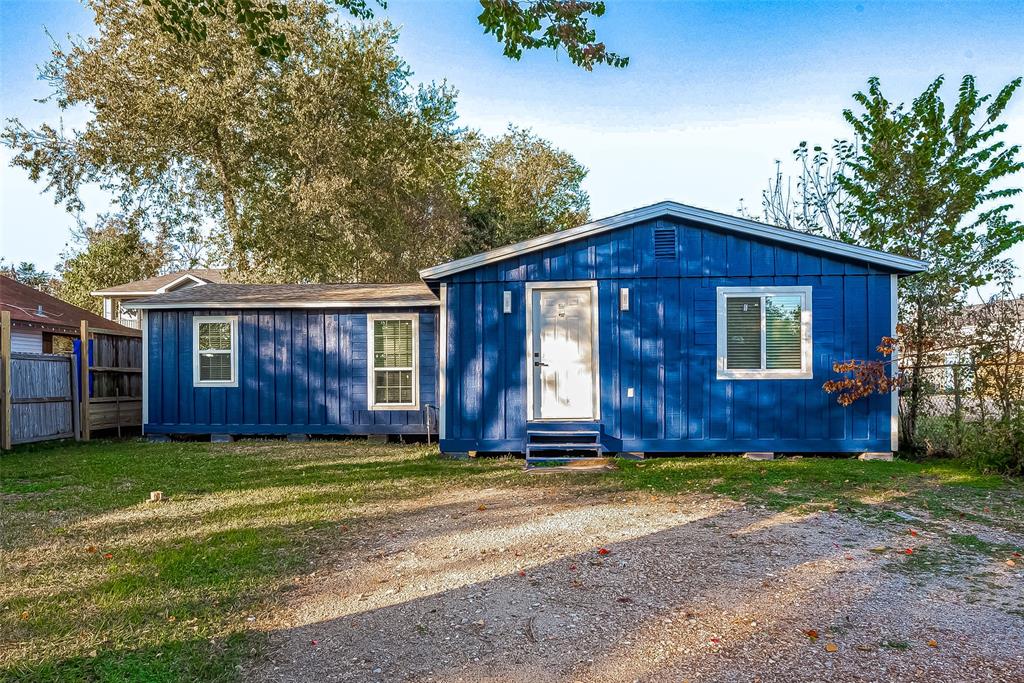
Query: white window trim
(371, 377)
(806, 370)
(233, 320)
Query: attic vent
(664, 244)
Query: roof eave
(668, 208)
(279, 304)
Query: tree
(29, 274)
(520, 186)
(820, 205)
(325, 165)
(517, 24)
(112, 253)
(930, 183)
(920, 181)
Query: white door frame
(595, 347)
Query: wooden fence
(38, 394)
(58, 396)
(111, 379)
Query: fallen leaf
(932, 643)
(313, 643)
(24, 615)
(91, 549)
(108, 556)
(812, 634)
(172, 618)
(522, 573)
(912, 532)
(343, 527)
(572, 567)
(1016, 554)
(909, 551)
(1011, 563)
(603, 551)
(849, 557)
(481, 507)
(715, 640)
(831, 647)
(878, 549)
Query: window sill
(395, 406)
(765, 374)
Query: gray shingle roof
(152, 285)
(292, 296)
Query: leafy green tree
(29, 274)
(517, 24)
(520, 186)
(931, 182)
(326, 165)
(924, 180)
(112, 253)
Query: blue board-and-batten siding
(664, 346)
(300, 371)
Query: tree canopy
(327, 164)
(927, 180)
(520, 186)
(112, 253)
(517, 24)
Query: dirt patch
(510, 585)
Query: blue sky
(715, 91)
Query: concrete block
(884, 456)
(633, 455)
(221, 438)
(456, 455)
(759, 455)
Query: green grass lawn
(100, 585)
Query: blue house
(667, 329)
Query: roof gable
(712, 219)
(165, 282)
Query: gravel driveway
(514, 585)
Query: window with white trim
(214, 351)
(393, 358)
(764, 333)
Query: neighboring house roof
(292, 296)
(670, 209)
(57, 316)
(165, 283)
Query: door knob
(539, 364)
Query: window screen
(393, 362)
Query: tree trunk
(239, 260)
(913, 409)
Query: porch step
(563, 442)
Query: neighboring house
(664, 329)
(985, 364)
(41, 323)
(115, 297)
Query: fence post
(5, 369)
(84, 378)
(76, 399)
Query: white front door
(563, 353)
